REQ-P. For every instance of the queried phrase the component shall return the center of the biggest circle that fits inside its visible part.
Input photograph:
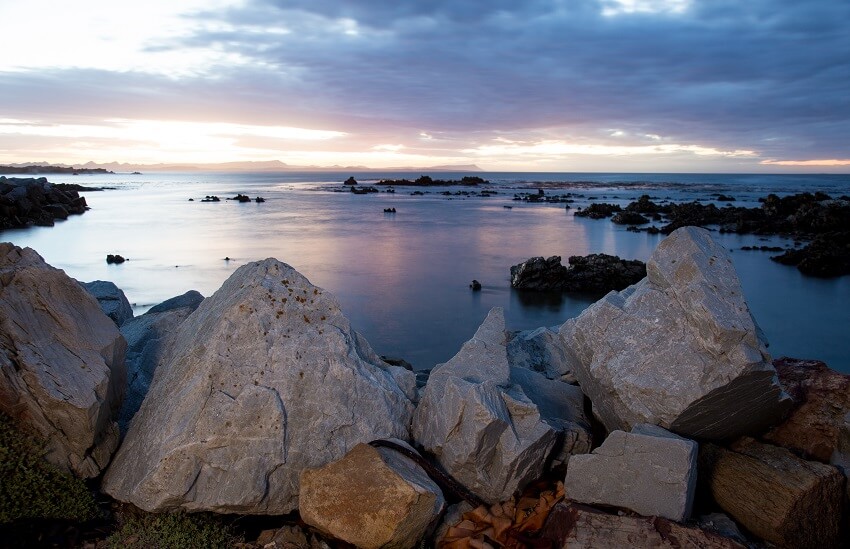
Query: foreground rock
(112, 300)
(483, 429)
(680, 349)
(593, 273)
(577, 526)
(371, 498)
(148, 337)
(774, 494)
(540, 350)
(265, 379)
(61, 362)
(650, 471)
(27, 201)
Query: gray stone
(650, 474)
(679, 349)
(265, 379)
(371, 498)
(483, 428)
(148, 336)
(112, 300)
(61, 362)
(540, 350)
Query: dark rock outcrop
(111, 299)
(592, 273)
(598, 210)
(26, 201)
(827, 255)
(629, 218)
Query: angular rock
(61, 362)
(148, 337)
(576, 526)
(774, 494)
(650, 471)
(679, 349)
(482, 428)
(539, 274)
(265, 379)
(561, 406)
(540, 350)
(371, 498)
(111, 299)
(819, 426)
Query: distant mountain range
(260, 166)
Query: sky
(507, 85)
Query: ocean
(403, 278)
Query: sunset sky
(541, 85)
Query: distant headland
(247, 166)
(48, 169)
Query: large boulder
(61, 362)
(112, 300)
(484, 430)
(679, 349)
(650, 471)
(371, 498)
(265, 379)
(540, 350)
(148, 337)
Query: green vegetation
(174, 530)
(31, 488)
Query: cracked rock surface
(265, 379)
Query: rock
(644, 205)
(265, 379)
(561, 406)
(774, 494)
(827, 255)
(538, 274)
(721, 524)
(350, 181)
(114, 259)
(371, 498)
(148, 337)
(650, 471)
(576, 526)
(602, 273)
(476, 286)
(598, 210)
(31, 201)
(540, 350)
(629, 218)
(61, 362)
(679, 349)
(112, 300)
(481, 427)
(819, 426)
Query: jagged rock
(482, 428)
(561, 406)
(650, 471)
(148, 336)
(371, 498)
(591, 273)
(540, 350)
(679, 349)
(598, 210)
(61, 362)
(576, 526)
(774, 494)
(629, 218)
(265, 379)
(30, 201)
(112, 300)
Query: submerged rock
(483, 429)
(61, 362)
(679, 349)
(112, 300)
(265, 379)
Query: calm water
(403, 278)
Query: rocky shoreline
(25, 202)
(656, 418)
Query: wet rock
(598, 210)
(650, 471)
(265, 379)
(371, 498)
(629, 218)
(475, 286)
(576, 526)
(644, 205)
(482, 428)
(774, 494)
(114, 259)
(61, 362)
(827, 255)
(679, 349)
(350, 181)
(539, 274)
(35, 201)
(592, 273)
(112, 300)
(148, 336)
